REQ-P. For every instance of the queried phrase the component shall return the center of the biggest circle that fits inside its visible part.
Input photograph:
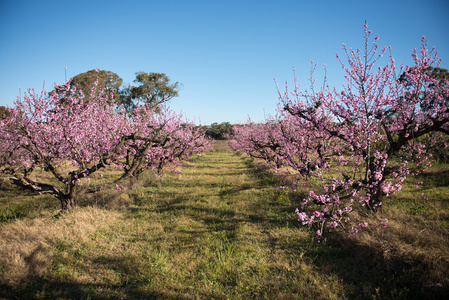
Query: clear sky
(225, 53)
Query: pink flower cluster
(48, 130)
(361, 140)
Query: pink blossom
(346, 137)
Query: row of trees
(72, 136)
(362, 140)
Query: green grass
(16, 204)
(222, 231)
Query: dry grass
(222, 231)
(27, 246)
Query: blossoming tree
(70, 139)
(367, 136)
(158, 138)
(73, 139)
(379, 120)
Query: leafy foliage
(92, 82)
(219, 131)
(152, 88)
(4, 112)
(441, 77)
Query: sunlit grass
(221, 230)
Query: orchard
(360, 141)
(73, 139)
(110, 193)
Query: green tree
(219, 131)
(439, 85)
(86, 81)
(4, 112)
(153, 88)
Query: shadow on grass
(48, 289)
(369, 272)
(438, 178)
(365, 270)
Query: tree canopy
(85, 82)
(361, 142)
(43, 132)
(151, 88)
(4, 112)
(219, 131)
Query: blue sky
(225, 53)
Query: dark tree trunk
(376, 199)
(131, 177)
(67, 203)
(68, 199)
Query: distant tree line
(218, 131)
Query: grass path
(216, 232)
(219, 231)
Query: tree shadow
(58, 289)
(371, 273)
(438, 178)
(365, 270)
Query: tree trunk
(129, 176)
(376, 192)
(67, 203)
(376, 198)
(377, 195)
